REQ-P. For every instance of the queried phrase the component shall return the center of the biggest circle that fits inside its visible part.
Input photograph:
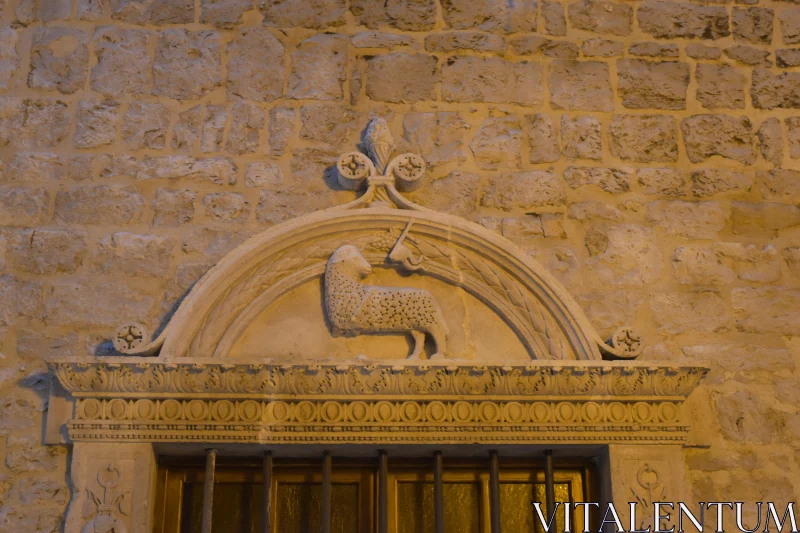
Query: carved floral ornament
(184, 386)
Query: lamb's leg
(439, 338)
(419, 344)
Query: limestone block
(226, 207)
(21, 299)
(702, 51)
(748, 55)
(764, 219)
(600, 16)
(401, 77)
(438, 137)
(99, 205)
(724, 262)
(602, 48)
(379, 39)
(580, 85)
(543, 144)
(59, 59)
(318, 68)
(96, 124)
(493, 80)
(703, 311)
(775, 91)
(790, 25)
(524, 190)
(33, 123)
(117, 166)
(218, 170)
(698, 220)
(123, 61)
(752, 24)
(312, 168)
(787, 57)
(490, 15)
(173, 207)
(766, 309)
(133, 255)
(255, 65)
(611, 180)
(153, 11)
(581, 137)
(9, 59)
(793, 136)
(224, 13)
(35, 166)
(465, 40)
(186, 131)
(187, 64)
(779, 184)
(213, 243)
(331, 124)
(720, 86)
(24, 206)
(726, 136)
(213, 128)
(668, 20)
(770, 140)
(561, 49)
(276, 207)
(103, 305)
(456, 193)
(661, 181)
(711, 181)
(583, 211)
(244, 134)
(263, 174)
(145, 126)
(653, 49)
(644, 138)
(653, 84)
(407, 15)
(497, 144)
(314, 15)
(555, 21)
(527, 45)
(44, 251)
(623, 255)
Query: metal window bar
(549, 484)
(383, 497)
(208, 489)
(438, 491)
(494, 490)
(266, 526)
(326, 492)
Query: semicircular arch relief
(380, 228)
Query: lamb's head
(348, 260)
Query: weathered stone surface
(527, 229)
(59, 59)
(46, 251)
(26, 454)
(491, 79)
(438, 137)
(752, 24)
(662, 181)
(790, 25)
(612, 180)
(79, 167)
(187, 64)
(224, 13)
(723, 262)
(32, 123)
(528, 45)
(720, 86)
(315, 15)
(561, 49)
(23, 206)
(775, 91)
(96, 124)
(186, 131)
(644, 138)
(793, 136)
(99, 204)
(409, 15)
(600, 16)
(173, 207)
(581, 137)
(263, 174)
(766, 309)
(133, 255)
(703, 311)
(744, 363)
(787, 57)
(764, 219)
(770, 140)
(524, 190)
(456, 193)
(490, 15)
(465, 40)
(602, 48)
(314, 169)
(555, 21)
(792, 257)
(153, 11)
(379, 39)
(653, 49)
(748, 55)
(497, 144)
(581, 85)
(145, 126)
(318, 68)
(83, 304)
(332, 124)
(722, 135)
(543, 144)
(255, 65)
(9, 59)
(623, 254)
(213, 243)
(698, 220)
(401, 77)
(781, 185)
(701, 51)
(21, 299)
(123, 61)
(218, 170)
(281, 128)
(35, 166)
(213, 128)
(711, 181)
(667, 20)
(226, 207)
(276, 207)
(584, 211)
(244, 134)
(117, 166)
(652, 84)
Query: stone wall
(647, 152)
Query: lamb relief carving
(354, 308)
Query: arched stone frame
(182, 390)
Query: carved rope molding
(202, 401)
